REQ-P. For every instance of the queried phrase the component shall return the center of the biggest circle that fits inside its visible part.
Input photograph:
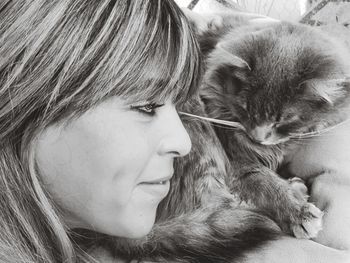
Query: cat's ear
(224, 56)
(225, 71)
(330, 90)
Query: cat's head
(278, 82)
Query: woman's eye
(148, 109)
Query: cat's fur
(203, 219)
(278, 81)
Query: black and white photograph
(175, 131)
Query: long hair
(58, 59)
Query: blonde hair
(59, 58)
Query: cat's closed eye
(286, 128)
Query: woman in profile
(88, 125)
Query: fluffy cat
(283, 83)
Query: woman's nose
(175, 139)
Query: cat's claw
(311, 223)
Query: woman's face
(109, 169)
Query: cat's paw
(311, 222)
(299, 188)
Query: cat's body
(204, 218)
(281, 82)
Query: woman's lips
(157, 188)
(160, 181)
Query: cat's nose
(261, 133)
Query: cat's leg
(331, 192)
(282, 199)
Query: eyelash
(148, 109)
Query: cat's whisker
(216, 125)
(317, 133)
(305, 136)
(224, 127)
(231, 124)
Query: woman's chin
(134, 226)
(140, 229)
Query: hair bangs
(163, 61)
(183, 62)
(153, 57)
